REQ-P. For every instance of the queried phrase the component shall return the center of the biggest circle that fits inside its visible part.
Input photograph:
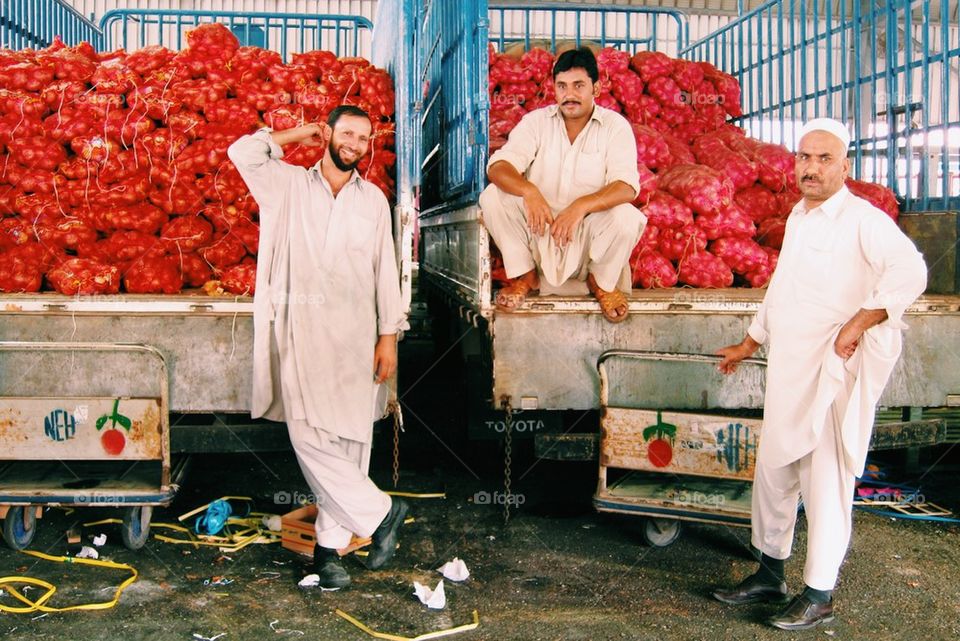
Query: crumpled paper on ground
(87, 552)
(100, 540)
(435, 599)
(313, 581)
(455, 570)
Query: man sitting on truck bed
(326, 315)
(558, 205)
(832, 318)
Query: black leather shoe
(384, 540)
(753, 590)
(328, 566)
(802, 614)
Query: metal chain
(507, 458)
(397, 428)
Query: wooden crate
(936, 235)
(297, 532)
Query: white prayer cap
(829, 125)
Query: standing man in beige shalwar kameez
(327, 312)
(832, 319)
(558, 205)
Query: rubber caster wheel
(660, 533)
(136, 526)
(20, 526)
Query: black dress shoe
(753, 590)
(802, 614)
(384, 540)
(328, 566)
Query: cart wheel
(660, 533)
(136, 526)
(19, 526)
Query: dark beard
(342, 166)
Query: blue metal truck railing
(454, 63)
(629, 29)
(284, 33)
(394, 48)
(34, 23)
(892, 71)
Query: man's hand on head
(315, 134)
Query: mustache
(810, 177)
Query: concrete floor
(557, 571)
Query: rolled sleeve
(258, 159)
(622, 154)
(758, 330)
(903, 274)
(522, 144)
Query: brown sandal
(610, 302)
(516, 292)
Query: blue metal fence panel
(395, 48)
(891, 71)
(285, 33)
(630, 29)
(34, 24)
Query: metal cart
(84, 424)
(671, 466)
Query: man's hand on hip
(849, 337)
(847, 340)
(539, 214)
(385, 357)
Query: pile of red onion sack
(115, 174)
(716, 201)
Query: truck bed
(544, 355)
(207, 343)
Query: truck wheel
(660, 533)
(19, 526)
(136, 526)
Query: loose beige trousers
(822, 479)
(601, 245)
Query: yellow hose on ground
(39, 605)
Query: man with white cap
(832, 320)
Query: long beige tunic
(327, 285)
(837, 258)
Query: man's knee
(627, 221)
(490, 197)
